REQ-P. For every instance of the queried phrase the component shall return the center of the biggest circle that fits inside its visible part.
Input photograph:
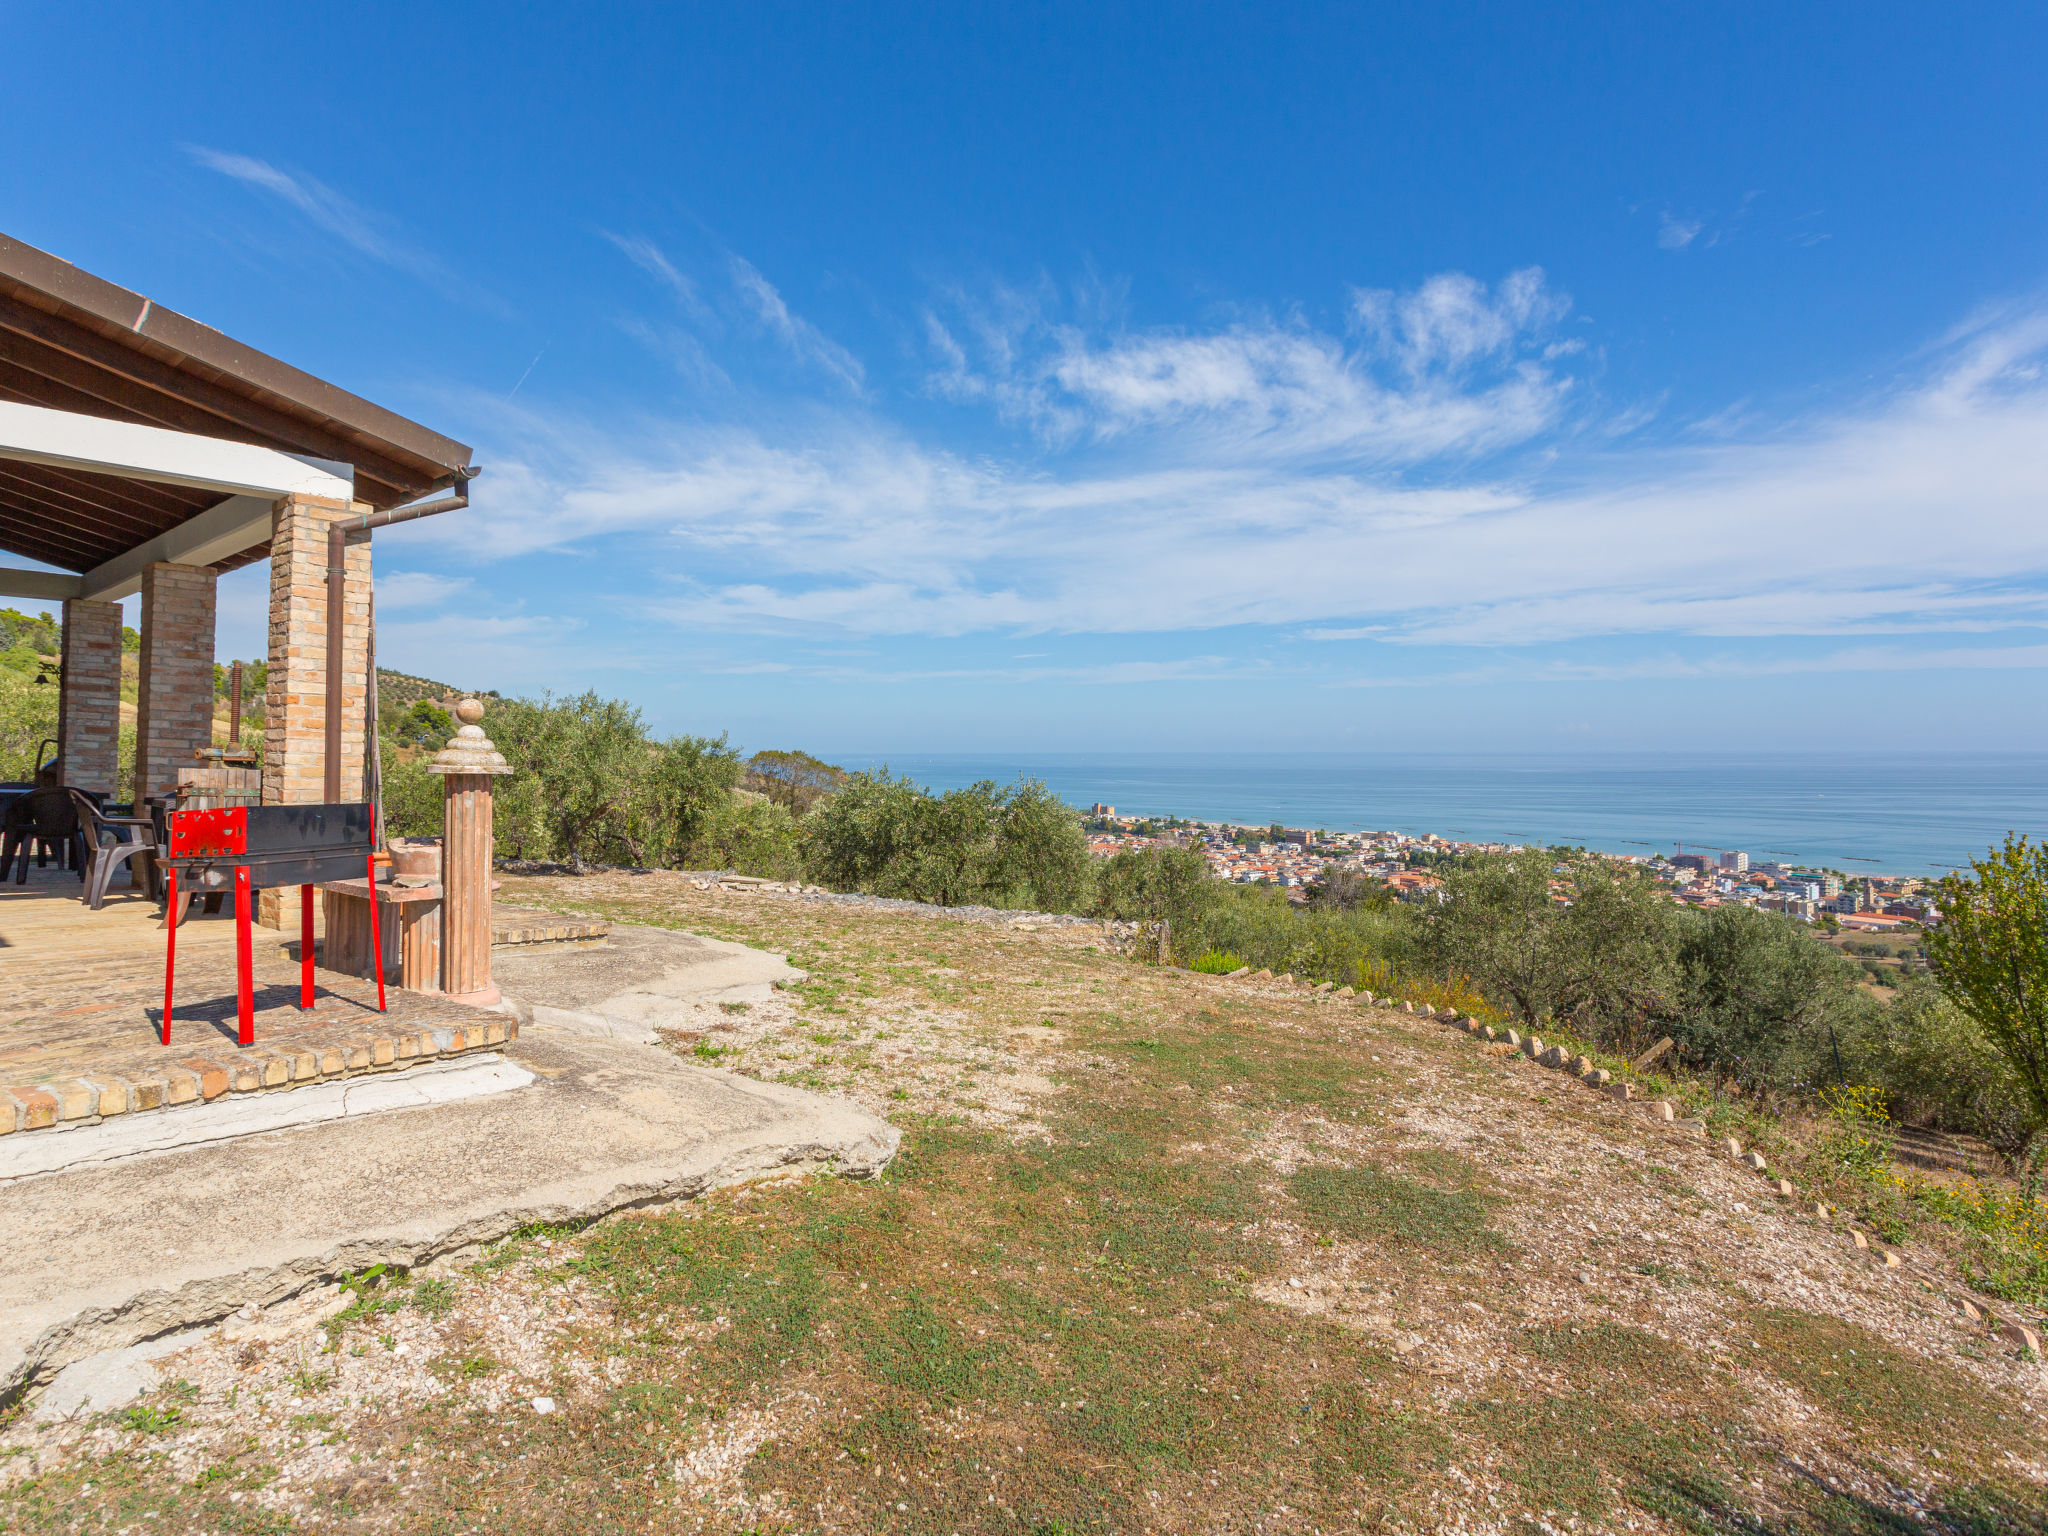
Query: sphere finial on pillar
(469, 750)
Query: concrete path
(104, 1257)
(643, 979)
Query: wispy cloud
(651, 259)
(1213, 483)
(371, 234)
(738, 300)
(416, 589)
(1674, 234)
(1450, 368)
(1672, 668)
(804, 340)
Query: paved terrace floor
(81, 1001)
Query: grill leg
(170, 947)
(245, 981)
(305, 946)
(376, 935)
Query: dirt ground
(1162, 1253)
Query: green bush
(748, 835)
(413, 796)
(1218, 963)
(1937, 1068)
(1759, 1001)
(986, 845)
(28, 714)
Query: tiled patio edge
(210, 1074)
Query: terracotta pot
(417, 858)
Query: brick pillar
(89, 703)
(295, 697)
(174, 679)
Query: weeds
(152, 1418)
(433, 1298)
(2008, 1252)
(1371, 1204)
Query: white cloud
(745, 302)
(1452, 321)
(1452, 368)
(369, 233)
(416, 589)
(804, 340)
(1669, 668)
(649, 258)
(1676, 234)
(1915, 514)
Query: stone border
(1509, 1042)
(199, 1079)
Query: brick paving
(81, 999)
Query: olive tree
(1555, 934)
(890, 837)
(1989, 954)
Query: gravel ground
(1608, 1219)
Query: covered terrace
(143, 455)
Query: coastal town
(1297, 858)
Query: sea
(1858, 812)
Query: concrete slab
(111, 1379)
(102, 1258)
(644, 979)
(111, 1141)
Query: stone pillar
(467, 765)
(295, 695)
(174, 679)
(89, 702)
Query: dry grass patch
(1076, 1315)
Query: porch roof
(73, 342)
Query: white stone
(543, 1405)
(111, 1379)
(2021, 1335)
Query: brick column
(89, 703)
(174, 680)
(295, 700)
(295, 696)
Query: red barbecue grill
(255, 847)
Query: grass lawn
(1244, 1262)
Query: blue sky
(1070, 378)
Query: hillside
(1162, 1252)
(403, 688)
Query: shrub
(796, 781)
(413, 797)
(28, 714)
(1990, 955)
(983, 844)
(1758, 1000)
(749, 836)
(1556, 933)
(1855, 1138)
(2009, 1254)
(1937, 1068)
(1219, 963)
